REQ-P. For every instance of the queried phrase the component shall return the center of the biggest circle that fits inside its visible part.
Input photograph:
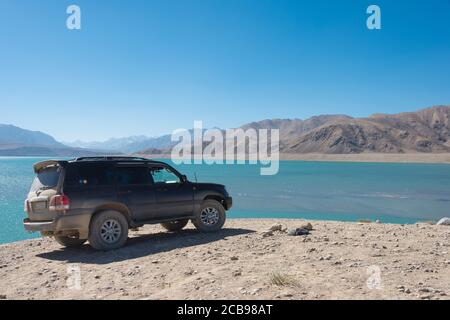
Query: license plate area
(39, 206)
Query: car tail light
(26, 206)
(59, 202)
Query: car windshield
(46, 179)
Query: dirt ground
(336, 260)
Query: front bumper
(228, 203)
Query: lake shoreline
(424, 158)
(336, 260)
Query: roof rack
(112, 158)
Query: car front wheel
(211, 216)
(108, 230)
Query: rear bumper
(61, 225)
(228, 203)
(46, 226)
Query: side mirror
(183, 178)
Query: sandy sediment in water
(337, 260)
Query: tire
(69, 242)
(175, 225)
(108, 230)
(211, 216)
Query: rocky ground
(336, 260)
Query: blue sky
(149, 67)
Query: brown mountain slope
(292, 127)
(426, 130)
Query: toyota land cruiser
(100, 198)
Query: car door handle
(161, 189)
(124, 192)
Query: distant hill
(426, 130)
(15, 141)
(127, 144)
(113, 144)
(11, 135)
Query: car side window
(163, 175)
(132, 175)
(90, 175)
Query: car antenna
(195, 176)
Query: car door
(135, 189)
(174, 195)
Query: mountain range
(425, 131)
(15, 141)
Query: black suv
(100, 198)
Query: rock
(266, 234)
(284, 295)
(234, 258)
(444, 222)
(302, 231)
(255, 291)
(292, 232)
(308, 226)
(276, 227)
(298, 232)
(237, 273)
(2, 296)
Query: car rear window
(46, 179)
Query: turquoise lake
(394, 193)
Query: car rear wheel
(175, 225)
(108, 230)
(69, 242)
(211, 216)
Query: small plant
(281, 279)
